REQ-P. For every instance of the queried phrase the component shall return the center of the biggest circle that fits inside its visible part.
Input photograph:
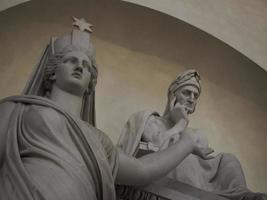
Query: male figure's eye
(186, 92)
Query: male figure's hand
(178, 113)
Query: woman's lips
(77, 75)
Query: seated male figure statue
(147, 132)
(49, 151)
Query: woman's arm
(153, 166)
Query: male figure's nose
(191, 98)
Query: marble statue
(50, 148)
(148, 132)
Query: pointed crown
(79, 39)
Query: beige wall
(5, 4)
(139, 51)
(241, 24)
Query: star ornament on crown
(79, 38)
(82, 25)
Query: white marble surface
(139, 52)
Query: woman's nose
(79, 67)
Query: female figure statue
(49, 148)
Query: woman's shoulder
(37, 111)
(40, 116)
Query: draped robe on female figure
(46, 153)
(42, 146)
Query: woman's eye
(70, 60)
(86, 65)
(73, 60)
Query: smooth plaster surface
(5, 4)
(139, 52)
(241, 24)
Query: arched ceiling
(5, 4)
(241, 24)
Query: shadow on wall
(153, 33)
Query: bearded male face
(187, 96)
(185, 90)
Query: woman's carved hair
(53, 62)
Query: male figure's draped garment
(222, 175)
(47, 154)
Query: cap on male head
(189, 77)
(79, 40)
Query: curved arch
(240, 24)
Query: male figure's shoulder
(154, 122)
(146, 116)
(143, 114)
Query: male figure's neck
(69, 102)
(168, 120)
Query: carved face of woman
(187, 96)
(73, 73)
